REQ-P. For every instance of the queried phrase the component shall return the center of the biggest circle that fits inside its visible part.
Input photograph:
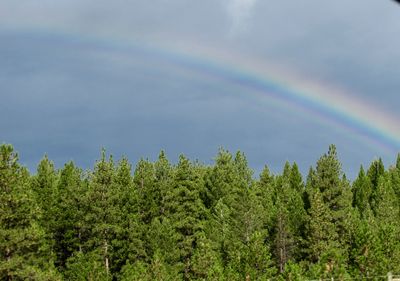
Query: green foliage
(87, 266)
(329, 225)
(189, 221)
(362, 189)
(25, 252)
(186, 212)
(69, 227)
(367, 252)
(290, 216)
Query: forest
(190, 221)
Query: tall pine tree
(25, 253)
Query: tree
(374, 173)
(104, 210)
(44, 187)
(366, 251)
(128, 240)
(362, 188)
(149, 197)
(25, 252)
(187, 213)
(44, 184)
(69, 230)
(290, 216)
(330, 214)
(237, 214)
(86, 266)
(387, 216)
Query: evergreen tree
(362, 188)
(264, 190)
(321, 231)
(387, 214)
(366, 253)
(374, 173)
(149, 197)
(86, 266)
(238, 213)
(330, 214)
(44, 186)
(186, 212)
(191, 221)
(221, 178)
(70, 230)
(25, 254)
(296, 179)
(218, 183)
(103, 212)
(163, 175)
(289, 216)
(128, 242)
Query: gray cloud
(70, 96)
(239, 11)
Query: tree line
(190, 221)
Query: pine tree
(205, 259)
(44, 186)
(330, 214)
(289, 217)
(218, 183)
(221, 178)
(149, 197)
(367, 252)
(163, 175)
(264, 190)
(128, 242)
(103, 213)
(70, 231)
(374, 173)
(86, 266)
(237, 214)
(394, 173)
(362, 188)
(387, 215)
(25, 252)
(186, 211)
(321, 231)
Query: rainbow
(266, 81)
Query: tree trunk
(106, 261)
(8, 257)
(80, 242)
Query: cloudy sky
(189, 77)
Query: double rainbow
(330, 104)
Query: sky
(278, 80)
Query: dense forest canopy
(189, 221)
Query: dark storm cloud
(69, 97)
